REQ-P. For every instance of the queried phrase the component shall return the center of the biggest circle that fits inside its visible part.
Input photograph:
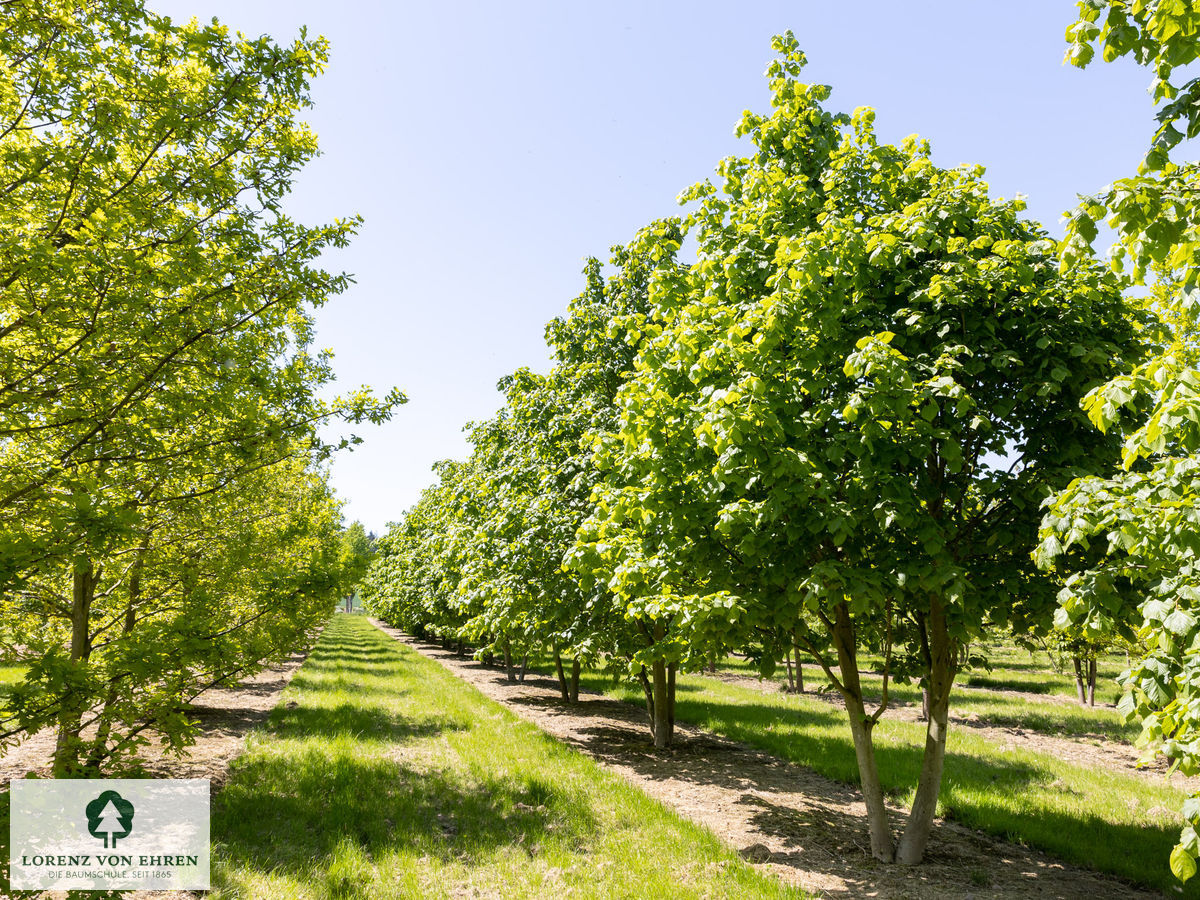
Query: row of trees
(165, 523)
(834, 430)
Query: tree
(155, 370)
(1129, 541)
(813, 422)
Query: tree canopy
(157, 383)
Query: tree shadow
(281, 814)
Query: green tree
(1129, 542)
(813, 426)
(155, 370)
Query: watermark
(105, 834)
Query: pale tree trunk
(882, 842)
(524, 667)
(943, 662)
(787, 658)
(67, 743)
(925, 704)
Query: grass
(382, 775)
(1014, 668)
(10, 676)
(1089, 816)
(987, 707)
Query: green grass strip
(988, 707)
(1095, 818)
(382, 775)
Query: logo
(110, 816)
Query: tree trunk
(508, 662)
(787, 658)
(662, 707)
(799, 666)
(648, 690)
(712, 663)
(67, 743)
(1080, 690)
(99, 744)
(524, 667)
(462, 646)
(562, 678)
(1091, 684)
(671, 703)
(883, 846)
(575, 681)
(911, 849)
(924, 704)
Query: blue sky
(492, 147)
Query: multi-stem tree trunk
(943, 661)
(861, 725)
(659, 688)
(508, 662)
(70, 718)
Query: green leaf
(1183, 864)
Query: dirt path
(808, 829)
(1089, 750)
(226, 716)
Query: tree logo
(110, 816)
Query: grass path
(809, 827)
(1085, 815)
(381, 775)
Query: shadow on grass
(996, 796)
(360, 721)
(280, 815)
(335, 808)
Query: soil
(807, 829)
(226, 716)
(1084, 750)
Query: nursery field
(381, 775)
(1107, 817)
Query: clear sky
(491, 147)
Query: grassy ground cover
(382, 775)
(1010, 668)
(988, 707)
(10, 676)
(1106, 821)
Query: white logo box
(109, 833)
